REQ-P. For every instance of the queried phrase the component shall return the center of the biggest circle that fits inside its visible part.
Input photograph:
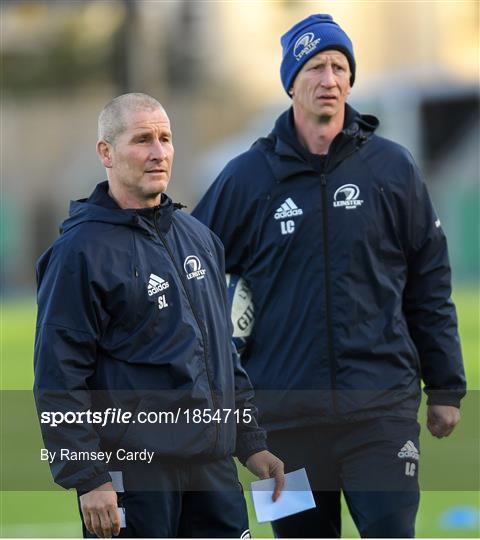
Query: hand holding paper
(296, 497)
(265, 465)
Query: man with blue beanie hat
(307, 38)
(332, 228)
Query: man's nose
(328, 78)
(158, 150)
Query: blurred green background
(442, 513)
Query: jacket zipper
(197, 319)
(328, 294)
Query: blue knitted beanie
(307, 38)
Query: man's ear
(104, 152)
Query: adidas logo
(288, 209)
(156, 284)
(408, 451)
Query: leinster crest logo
(305, 44)
(193, 267)
(346, 196)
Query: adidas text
(409, 451)
(288, 213)
(288, 209)
(158, 288)
(156, 284)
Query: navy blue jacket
(349, 271)
(132, 314)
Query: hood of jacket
(100, 207)
(283, 140)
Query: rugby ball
(241, 310)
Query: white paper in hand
(296, 497)
(121, 513)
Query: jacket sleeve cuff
(249, 444)
(445, 397)
(93, 483)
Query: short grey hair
(111, 120)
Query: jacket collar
(99, 206)
(284, 142)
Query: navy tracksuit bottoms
(194, 500)
(374, 463)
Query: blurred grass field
(54, 513)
